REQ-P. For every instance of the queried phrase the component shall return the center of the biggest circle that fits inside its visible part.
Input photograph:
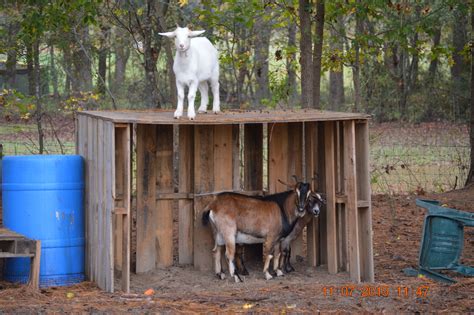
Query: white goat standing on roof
(195, 63)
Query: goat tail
(205, 217)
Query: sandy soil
(397, 224)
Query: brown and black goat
(240, 219)
(313, 209)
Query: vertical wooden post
(331, 196)
(311, 158)
(364, 194)
(35, 267)
(203, 183)
(164, 208)
(236, 167)
(122, 196)
(108, 207)
(342, 242)
(146, 197)
(253, 174)
(253, 157)
(277, 156)
(323, 253)
(186, 211)
(351, 205)
(295, 167)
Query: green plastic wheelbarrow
(442, 242)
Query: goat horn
(282, 182)
(177, 25)
(295, 178)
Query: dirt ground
(397, 225)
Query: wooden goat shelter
(247, 151)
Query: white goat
(195, 63)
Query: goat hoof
(236, 279)
(279, 273)
(177, 114)
(202, 111)
(220, 275)
(216, 112)
(192, 117)
(268, 276)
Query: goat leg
(239, 260)
(287, 265)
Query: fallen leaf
(149, 292)
(247, 306)
(69, 295)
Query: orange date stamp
(368, 291)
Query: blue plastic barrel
(43, 200)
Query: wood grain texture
(277, 157)
(363, 202)
(329, 149)
(146, 201)
(204, 162)
(225, 118)
(311, 161)
(350, 189)
(186, 186)
(164, 208)
(295, 167)
(253, 157)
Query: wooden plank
(92, 218)
(146, 201)
(176, 196)
(100, 224)
(204, 162)
(253, 157)
(164, 208)
(295, 167)
(109, 175)
(227, 117)
(236, 165)
(82, 149)
(119, 202)
(186, 181)
(351, 205)
(363, 202)
(321, 180)
(123, 173)
(329, 149)
(253, 175)
(311, 161)
(342, 228)
(35, 267)
(89, 210)
(277, 157)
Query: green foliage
(14, 105)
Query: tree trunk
(82, 61)
(306, 61)
(470, 177)
(53, 72)
(336, 76)
(12, 52)
(262, 45)
(122, 53)
(356, 66)
(30, 66)
(70, 83)
(433, 68)
(103, 52)
(37, 87)
(290, 69)
(317, 53)
(459, 38)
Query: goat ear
(168, 34)
(195, 33)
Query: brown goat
(242, 219)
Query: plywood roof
(226, 117)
